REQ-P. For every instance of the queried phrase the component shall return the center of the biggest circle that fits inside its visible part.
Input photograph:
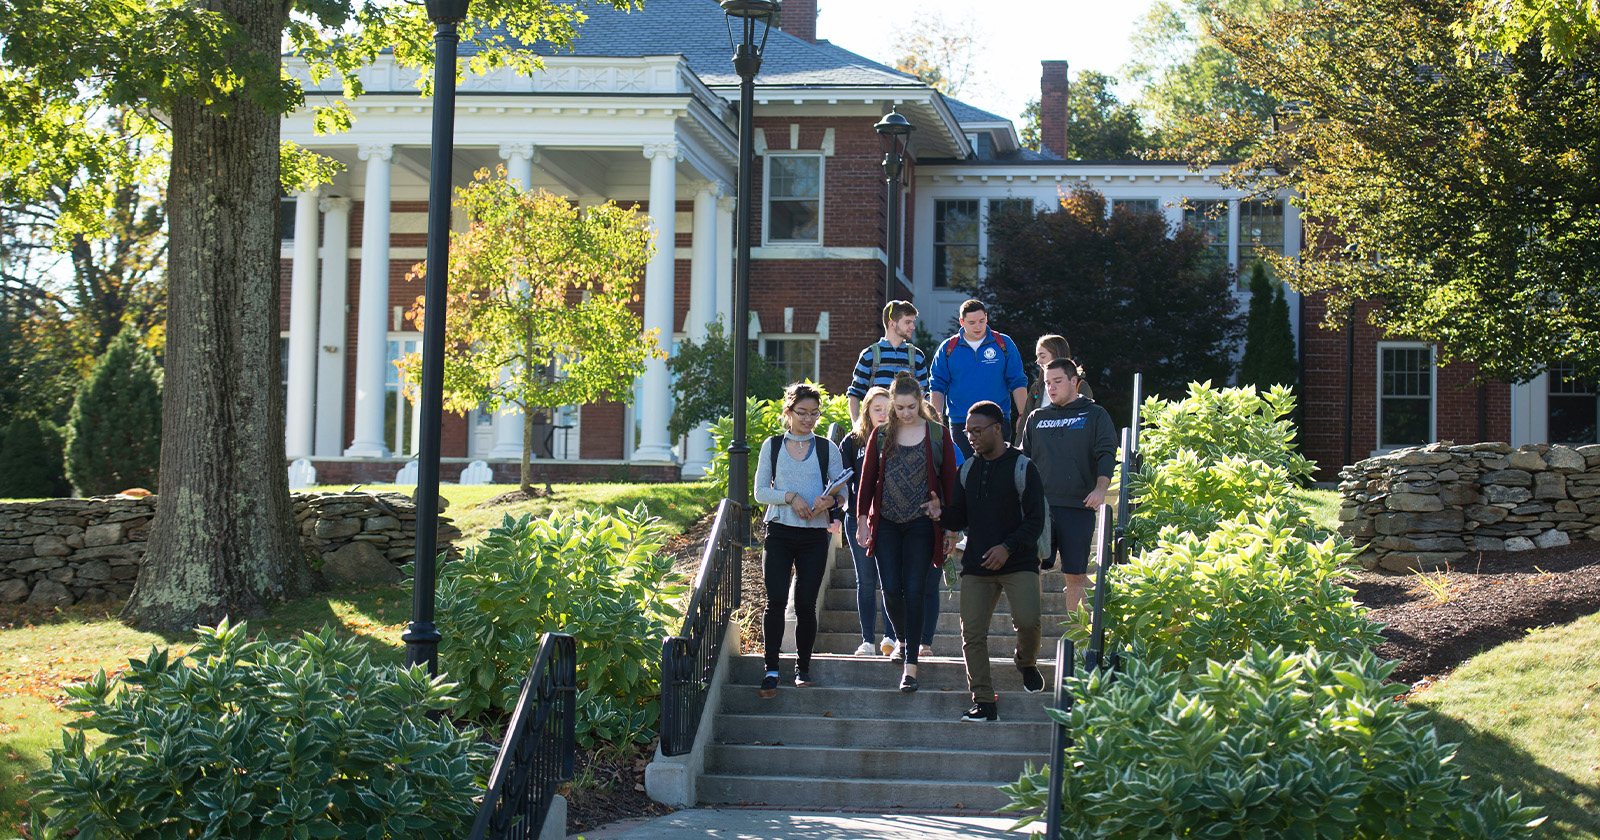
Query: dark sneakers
(769, 687)
(1032, 680)
(982, 712)
(908, 684)
(802, 678)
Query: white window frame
(933, 241)
(283, 336)
(766, 200)
(404, 432)
(1433, 393)
(1111, 203)
(816, 343)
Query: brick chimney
(1053, 108)
(799, 18)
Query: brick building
(641, 112)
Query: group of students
(929, 456)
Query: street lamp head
(894, 125)
(747, 50)
(453, 11)
(893, 131)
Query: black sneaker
(908, 684)
(1032, 680)
(982, 712)
(769, 687)
(802, 678)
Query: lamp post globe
(894, 130)
(755, 19)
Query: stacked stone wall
(63, 551)
(1427, 507)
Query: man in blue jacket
(974, 365)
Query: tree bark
(223, 542)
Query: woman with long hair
(908, 473)
(793, 475)
(874, 413)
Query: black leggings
(801, 553)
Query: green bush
(704, 390)
(1269, 345)
(114, 430)
(763, 419)
(30, 460)
(600, 577)
(1223, 423)
(1189, 494)
(245, 739)
(1254, 580)
(1275, 745)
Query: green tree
(114, 431)
(1563, 30)
(1099, 126)
(1135, 295)
(1269, 347)
(700, 375)
(30, 460)
(539, 294)
(1462, 192)
(224, 541)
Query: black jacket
(987, 508)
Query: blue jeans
(868, 605)
(905, 560)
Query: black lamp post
(422, 637)
(751, 15)
(893, 132)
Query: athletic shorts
(1072, 532)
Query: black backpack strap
(772, 444)
(822, 457)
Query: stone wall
(1427, 507)
(63, 551)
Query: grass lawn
(1323, 505)
(1527, 715)
(679, 505)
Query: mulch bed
(1485, 599)
(608, 787)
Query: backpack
(937, 430)
(954, 341)
(775, 443)
(1042, 548)
(912, 354)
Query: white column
(508, 423)
(702, 308)
(519, 163)
(301, 411)
(655, 403)
(372, 324)
(725, 262)
(331, 325)
(1233, 235)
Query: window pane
(1138, 205)
(796, 357)
(286, 219)
(1002, 206)
(1260, 231)
(283, 352)
(792, 221)
(1405, 422)
(1210, 218)
(1572, 407)
(955, 242)
(795, 177)
(1406, 396)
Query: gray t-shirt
(802, 477)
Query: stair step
(941, 699)
(1001, 646)
(949, 624)
(810, 791)
(877, 672)
(844, 577)
(945, 765)
(1052, 602)
(1004, 735)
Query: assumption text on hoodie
(1072, 445)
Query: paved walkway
(743, 824)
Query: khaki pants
(979, 595)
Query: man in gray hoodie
(1073, 442)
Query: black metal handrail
(1112, 547)
(536, 755)
(689, 659)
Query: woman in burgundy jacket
(908, 474)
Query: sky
(1088, 34)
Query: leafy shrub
(599, 577)
(1255, 580)
(1223, 423)
(704, 388)
(114, 430)
(1190, 494)
(763, 419)
(1277, 744)
(245, 739)
(30, 460)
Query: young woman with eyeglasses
(797, 527)
(908, 472)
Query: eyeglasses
(807, 415)
(980, 430)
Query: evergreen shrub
(600, 577)
(30, 460)
(1271, 745)
(246, 739)
(702, 384)
(114, 430)
(1269, 345)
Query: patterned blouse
(905, 483)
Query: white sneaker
(897, 654)
(866, 649)
(886, 646)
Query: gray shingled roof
(698, 31)
(965, 113)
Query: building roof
(965, 113)
(698, 31)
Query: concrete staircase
(854, 741)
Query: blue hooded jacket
(966, 377)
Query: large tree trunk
(223, 541)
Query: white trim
(766, 198)
(1433, 393)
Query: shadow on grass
(1573, 806)
(17, 767)
(23, 616)
(386, 605)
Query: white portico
(595, 129)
